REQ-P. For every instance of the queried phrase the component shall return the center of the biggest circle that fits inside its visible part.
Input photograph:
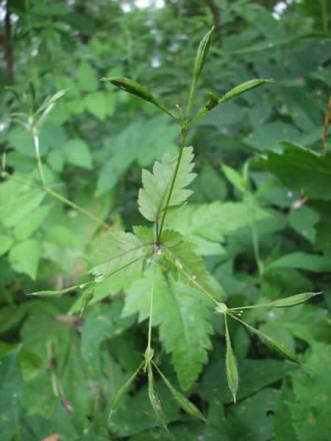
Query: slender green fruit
(242, 88)
(137, 89)
(294, 300)
(231, 363)
(201, 55)
(155, 400)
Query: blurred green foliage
(259, 215)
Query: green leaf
(24, 257)
(242, 88)
(96, 103)
(304, 220)
(302, 170)
(117, 251)
(26, 226)
(183, 261)
(183, 318)
(235, 178)
(87, 78)
(11, 391)
(5, 243)
(77, 153)
(231, 363)
(156, 185)
(303, 261)
(207, 224)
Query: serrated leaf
(183, 318)
(183, 260)
(156, 186)
(231, 364)
(116, 251)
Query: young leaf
(242, 88)
(155, 400)
(118, 395)
(230, 363)
(138, 90)
(201, 55)
(183, 402)
(156, 185)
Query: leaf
(303, 261)
(77, 152)
(27, 225)
(235, 178)
(156, 186)
(303, 220)
(254, 374)
(24, 257)
(96, 103)
(183, 261)
(183, 402)
(183, 319)
(116, 251)
(5, 243)
(86, 76)
(207, 224)
(302, 170)
(231, 363)
(143, 141)
(11, 392)
(242, 88)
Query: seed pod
(230, 363)
(132, 87)
(202, 54)
(293, 300)
(213, 101)
(242, 88)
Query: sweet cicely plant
(160, 270)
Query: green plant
(161, 262)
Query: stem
(36, 146)
(184, 132)
(149, 340)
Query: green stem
(184, 133)
(36, 147)
(149, 350)
(254, 236)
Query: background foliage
(264, 241)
